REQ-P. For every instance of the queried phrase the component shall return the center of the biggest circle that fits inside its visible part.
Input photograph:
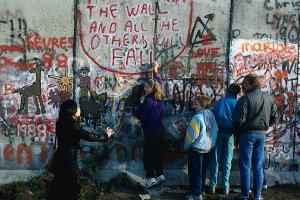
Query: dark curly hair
(234, 88)
(66, 112)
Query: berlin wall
(98, 52)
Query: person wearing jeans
(254, 113)
(197, 166)
(200, 139)
(223, 151)
(253, 148)
(221, 155)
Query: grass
(33, 189)
(38, 187)
(91, 188)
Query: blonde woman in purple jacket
(150, 112)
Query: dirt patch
(278, 192)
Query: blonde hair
(158, 93)
(204, 101)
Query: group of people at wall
(242, 123)
(212, 135)
(69, 131)
(209, 138)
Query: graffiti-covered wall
(98, 52)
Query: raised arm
(155, 72)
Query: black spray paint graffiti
(22, 29)
(184, 91)
(33, 90)
(16, 38)
(92, 108)
(197, 38)
(10, 130)
(283, 22)
(200, 34)
(91, 103)
(275, 158)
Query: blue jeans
(222, 155)
(197, 166)
(251, 148)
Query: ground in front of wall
(277, 192)
(121, 188)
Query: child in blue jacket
(200, 138)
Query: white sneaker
(150, 182)
(265, 187)
(259, 198)
(226, 191)
(160, 179)
(212, 190)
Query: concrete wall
(99, 51)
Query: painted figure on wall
(33, 90)
(92, 108)
(84, 81)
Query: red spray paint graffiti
(132, 55)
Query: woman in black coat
(65, 184)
